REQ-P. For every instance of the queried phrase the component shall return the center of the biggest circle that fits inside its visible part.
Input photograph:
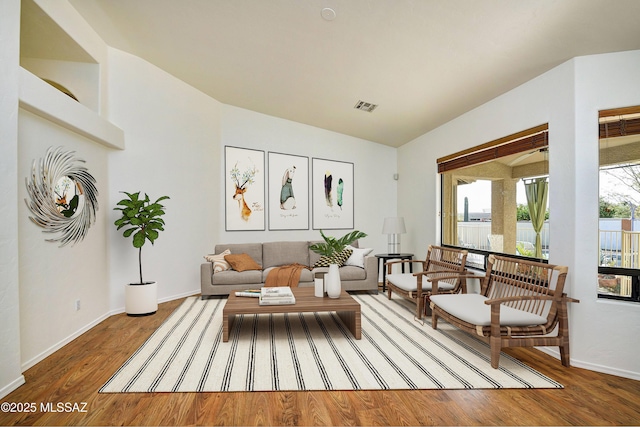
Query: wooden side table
(384, 258)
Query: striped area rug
(314, 351)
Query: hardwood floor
(75, 373)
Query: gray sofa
(274, 254)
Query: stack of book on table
(279, 295)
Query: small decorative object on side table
(384, 258)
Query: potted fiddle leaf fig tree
(142, 220)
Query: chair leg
(419, 308)
(563, 334)
(495, 351)
(388, 292)
(495, 340)
(434, 320)
(427, 306)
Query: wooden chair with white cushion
(520, 304)
(440, 261)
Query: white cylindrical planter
(332, 282)
(141, 300)
(318, 283)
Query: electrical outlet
(77, 304)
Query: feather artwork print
(328, 179)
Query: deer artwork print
(241, 182)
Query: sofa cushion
(472, 309)
(337, 258)
(409, 282)
(232, 277)
(254, 250)
(305, 275)
(346, 273)
(218, 261)
(357, 256)
(242, 262)
(284, 253)
(314, 257)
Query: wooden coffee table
(347, 308)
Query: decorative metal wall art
(64, 197)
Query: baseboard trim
(606, 370)
(12, 386)
(553, 351)
(160, 301)
(49, 351)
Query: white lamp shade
(393, 225)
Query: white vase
(332, 282)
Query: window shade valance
(530, 139)
(619, 122)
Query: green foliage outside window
(614, 210)
(522, 213)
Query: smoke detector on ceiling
(328, 14)
(365, 106)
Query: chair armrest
(389, 264)
(435, 280)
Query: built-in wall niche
(48, 52)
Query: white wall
(52, 278)
(10, 370)
(374, 166)
(608, 330)
(175, 138)
(603, 334)
(172, 148)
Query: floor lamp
(394, 227)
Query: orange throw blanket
(287, 275)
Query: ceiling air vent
(365, 106)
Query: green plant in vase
(333, 246)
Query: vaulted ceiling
(423, 62)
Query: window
(494, 197)
(619, 200)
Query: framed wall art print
(288, 192)
(332, 194)
(244, 189)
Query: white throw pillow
(357, 256)
(219, 263)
